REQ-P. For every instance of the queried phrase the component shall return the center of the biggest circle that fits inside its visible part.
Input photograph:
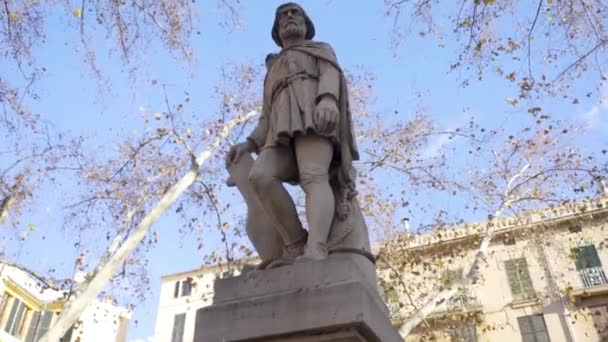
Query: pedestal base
(331, 300)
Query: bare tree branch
(74, 309)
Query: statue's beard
(293, 32)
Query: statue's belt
(285, 82)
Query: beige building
(181, 295)
(543, 280)
(29, 306)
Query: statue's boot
(314, 251)
(290, 254)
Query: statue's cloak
(342, 173)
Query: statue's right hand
(237, 151)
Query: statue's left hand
(326, 114)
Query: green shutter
(586, 257)
(519, 279)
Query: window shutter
(514, 284)
(11, 316)
(178, 328)
(17, 319)
(533, 328)
(586, 257)
(4, 299)
(591, 257)
(176, 290)
(186, 288)
(14, 317)
(31, 331)
(45, 324)
(578, 258)
(519, 279)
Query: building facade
(29, 306)
(181, 295)
(543, 279)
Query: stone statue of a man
(304, 136)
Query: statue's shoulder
(320, 45)
(318, 49)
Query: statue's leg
(273, 166)
(314, 155)
(260, 230)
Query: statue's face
(291, 23)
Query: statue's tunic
(294, 84)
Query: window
(39, 325)
(463, 333)
(31, 331)
(182, 288)
(176, 290)
(450, 277)
(586, 257)
(15, 317)
(186, 287)
(178, 328)
(533, 328)
(509, 241)
(519, 279)
(3, 303)
(589, 266)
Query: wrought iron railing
(593, 276)
(462, 301)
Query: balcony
(593, 282)
(593, 276)
(462, 302)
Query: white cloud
(596, 118)
(435, 145)
(438, 142)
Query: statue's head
(291, 21)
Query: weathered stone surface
(330, 300)
(304, 136)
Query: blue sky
(360, 35)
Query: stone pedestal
(331, 300)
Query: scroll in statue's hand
(237, 151)
(326, 114)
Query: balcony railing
(593, 276)
(461, 301)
